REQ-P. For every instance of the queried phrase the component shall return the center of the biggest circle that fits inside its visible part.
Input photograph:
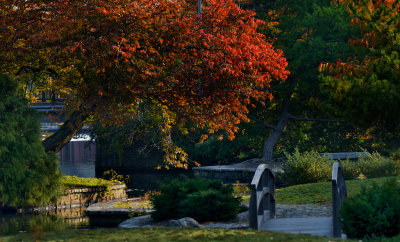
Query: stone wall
(82, 197)
(87, 196)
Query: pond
(78, 158)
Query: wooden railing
(339, 193)
(262, 200)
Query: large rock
(147, 221)
(137, 222)
(241, 222)
(242, 218)
(186, 222)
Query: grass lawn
(321, 192)
(163, 234)
(317, 193)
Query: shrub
(307, 167)
(201, 199)
(28, 175)
(372, 166)
(351, 169)
(375, 211)
(375, 165)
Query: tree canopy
(109, 56)
(364, 89)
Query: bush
(307, 167)
(351, 169)
(375, 165)
(372, 166)
(28, 175)
(201, 199)
(373, 212)
(310, 167)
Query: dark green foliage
(373, 212)
(307, 167)
(201, 199)
(209, 205)
(246, 145)
(28, 176)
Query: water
(60, 220)
(78, 158)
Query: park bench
(262, 206)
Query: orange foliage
(365, 13)
(109, 54)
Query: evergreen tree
(28, 175)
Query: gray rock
(242, 218)
(147, 221)
(137, 222)
(226, 226)
(186, 222)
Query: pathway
(303, 219)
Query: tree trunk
(270, 143)
(69, 129)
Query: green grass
(71, 182)
(163, 234)
(315, 193)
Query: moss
(71, 182)
(137, 204)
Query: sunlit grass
(315, 193)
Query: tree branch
(313, 119)
(262, 122)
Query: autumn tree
(365, 90)
(309, 32)
(110, 57)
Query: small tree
(28, 175)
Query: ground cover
(134, 204)
(70, 182)
(163, 234)
(321, 192)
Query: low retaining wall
(82, 197)
(86, 196)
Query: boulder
(242, 218)
(137, 222)
(186, 222)
(147, 221)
